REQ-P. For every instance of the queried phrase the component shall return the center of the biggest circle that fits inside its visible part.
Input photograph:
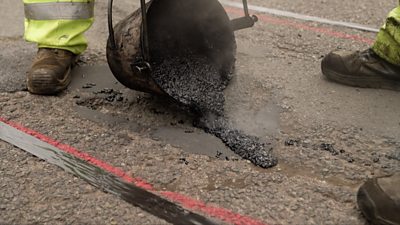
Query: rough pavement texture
(14, 60)
(331, 137)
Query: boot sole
(367, 206)
(370, 82)
(51, 89)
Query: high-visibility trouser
(58, 23)
(387, 44)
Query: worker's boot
(51, 71)
(379, 200)
(361, 69)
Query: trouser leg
(58, 23)
(387, 44)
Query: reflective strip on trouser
(387, 44)
(59, 11)
(58, 24)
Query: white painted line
(300, 16)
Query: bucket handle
(143, 63)
(110, 25)
(145, 36)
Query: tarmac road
(329, 138)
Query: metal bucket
(165, 27)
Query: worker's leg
(57, 26)
(387, 44)
(376, 67)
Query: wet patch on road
(94, 79)
(109, 120)
(187, 138)
(194, 141)
(194, 93)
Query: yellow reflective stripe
(59, 10)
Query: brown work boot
(379, 200)
(361, 69)
(51, 71)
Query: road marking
(302, 26)
(102, 179)
(293, 15)
(187, 202)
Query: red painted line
(213, 211)
(187, 202)
(302, 26)
(73, 151)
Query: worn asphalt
(328, 138)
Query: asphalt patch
(194, 82)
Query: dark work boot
(379, 200)
(50, 72)
(361, 69)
